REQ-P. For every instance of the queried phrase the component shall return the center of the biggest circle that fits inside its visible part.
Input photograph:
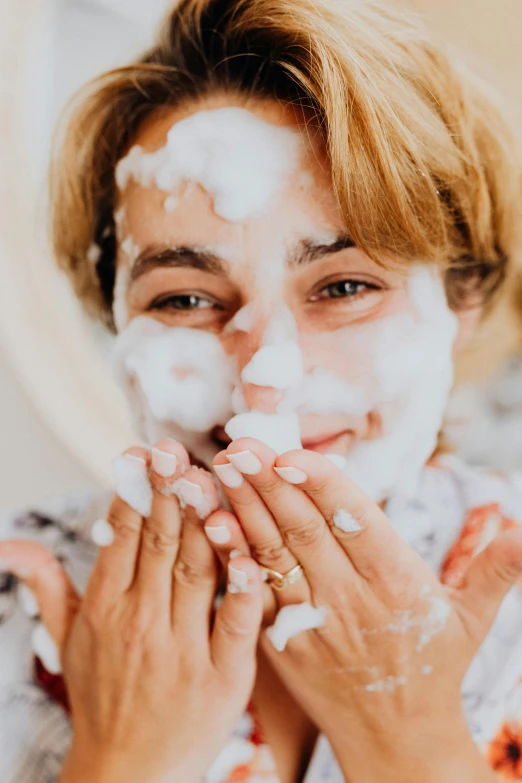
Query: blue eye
(183, 302)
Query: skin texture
(147, 609)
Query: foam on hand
(294, 619)
(239, 159)
(132, 483)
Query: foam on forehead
(241, 160)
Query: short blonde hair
(424, 164)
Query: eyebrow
(178, 257)
(189, 257)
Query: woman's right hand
(156, 679)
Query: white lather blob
(184, 374)
(344, 521)
(294, 619)
(280, 432)
(191, 494)
(132, 483)
(278, 366)
(239, 159)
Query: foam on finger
(132, 482)
(293, 620)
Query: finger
(238, 621)
(298, 522)
(195, 573)
(160, 534)
(115, 568)
(263, 536)
(487, 581)
(359, 525)
(38, 569)
(225, 534)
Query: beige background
(35, 460)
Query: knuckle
(233, 630)
(270, 552)
(304, 533)
(190, 574)
(123, 524)
(158, 541)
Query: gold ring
(280, 581)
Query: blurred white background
(61, 417)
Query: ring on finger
(281, 581)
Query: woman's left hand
(381, 678)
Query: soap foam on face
(239, 159)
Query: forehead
(304, 202)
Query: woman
(293, 215)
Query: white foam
(345, 521)
(46, 649)
(132, 483)
(388, 684)
(185, 374)
(280, 432)
(292, 620)
(279, 366)
(239, 159)
(191, 494)
(94, 254)
(28, 600)
(102, 533)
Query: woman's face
(234, 246)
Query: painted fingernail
(344, 521)
(292, 475)
(102, 533)
(164, 463)
(44, 646)
(229, 476)
(235, 553)
(219, 534)
(246, 462)
(28, 601)
(237, 580)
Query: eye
(183, 302)
(344, 289)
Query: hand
(382, 677)
(156, 681)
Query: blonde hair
(424, 163)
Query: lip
(335, 443)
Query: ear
(468, 318)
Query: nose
(262, 398)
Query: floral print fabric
(457, 511)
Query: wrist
(91, 768)
(412, 754)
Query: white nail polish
(235, 553)
(344, 521)
(45, 648)
(229, 476)
(246, 462)
(292, 475)
(237, 580)
(102, 533)
(28, 601)
(164, 463)
(219, 534)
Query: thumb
(488, 580)
(43, 574)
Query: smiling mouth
(336, 443)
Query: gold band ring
(280, 581)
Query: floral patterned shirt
(457, 511)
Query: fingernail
(237, 580)
(45, 648)
(292, 475)
(163, 463)
(28, 601)
(219, 534)
(102, 533)
(135, 458)
(229, 476)
(246, 462)
(235, 553)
